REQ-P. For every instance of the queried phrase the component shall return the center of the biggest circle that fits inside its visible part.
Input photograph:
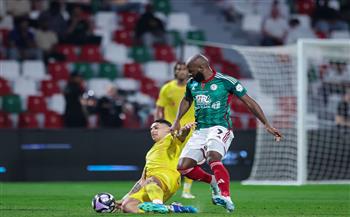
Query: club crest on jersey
(213, 87)
(239, 88)
(203, 100)
(194, 85)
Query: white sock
(213, 180)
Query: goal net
(301, 89)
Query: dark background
(94, 147)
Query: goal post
(299, 88)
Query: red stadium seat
(69, 51)
(252, 123)
(133, 70)
(28, 120)
(58, 71)
(90, 53)
(124, 37)
(4, 37)
(131, 121)
(237, 124)
(149, 87)
(5, 88)
(129, 20)
(164, 53)
(49, 87)
(5, 121)
(305, 6)
(36, 104)
(52, 120)
(230, 69)
(214, 54)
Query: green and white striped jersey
(211, 99)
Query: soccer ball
(103, 202)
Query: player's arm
(258, 112)
(184, 131)
(185, 104)
(159, 113)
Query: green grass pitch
(74, 199)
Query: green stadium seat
(162, 6)
(12, 104)
(108, 70)
(140, 54)
(198, 35)
(175, 38)
(85, 69)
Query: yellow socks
(155, 193)
(187, 185)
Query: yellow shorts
(169, 179)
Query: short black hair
(163, 121)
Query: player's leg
(130, 205)
(219, 140)
(154, 189)
(186, 192)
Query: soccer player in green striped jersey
(210, 91)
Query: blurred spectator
(296, 31)
(22, 42)
(120, 6)
(274, 28)
(337, 72)
(74, 115)
(109, 109)
(46, 39)
(18, 8)
(38, 6)
(55, 19)
(228, 10)
(327, 18)
(342, 119)
(80, 29)
(149, 28)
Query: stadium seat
(85, 69)
(69, 51)
(305, 6)
(197, 35)
(128, 20)
(237, 123)
(116, 53)
(107, 21)
(179, 22)
(132, 70)
(28, 121)
(164, 53)
(5, 121)
(158, 71)
(36, 104)
(124, 37)
(90, 53)
(4, 36)
(34, 70)
(5, 88)
(188, 51)
(25, 87)
(252, 23)
(149, 87)
(57, 103)
(99, 86)
(127, 84)
(12, 104)
(49, 87)
(175, 38)
(58, 70)
(162, 6)
(230, 69)
(52, 120)
(10, 70)
(108, 70)
(214, 54)
(140, 54)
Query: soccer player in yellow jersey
(168, 102)
(160, 178)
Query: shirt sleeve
(162, 100)
(234, 86)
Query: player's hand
(175, 128)
(276, 133)
(118, 205)
(188, 127)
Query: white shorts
(199, 144)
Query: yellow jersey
(169, 98)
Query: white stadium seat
(116, 53)
(106, 20)
(35, 70)
(179, 22)
(25, 87)
(127, 84)
(9, 69)
(158, 71)
(99, 86)
(57, 103)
